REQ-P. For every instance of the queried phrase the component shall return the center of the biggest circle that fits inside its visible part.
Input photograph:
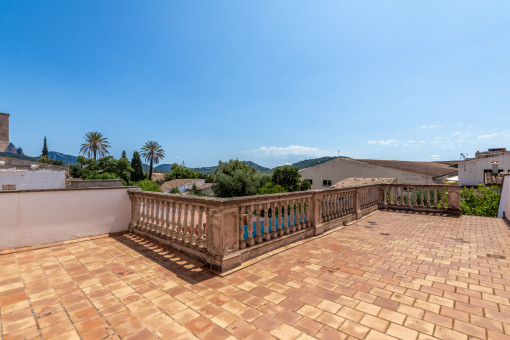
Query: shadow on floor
(182, 266)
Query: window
(326, 182)
(8, 187)
(309, 180)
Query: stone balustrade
(225, 232)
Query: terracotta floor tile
(349, 283)
(259, 335)
(241, 328)
(284, 331)
(198, 325)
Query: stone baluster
(274, 231)
(167, 225)
(242, 242)
(194, 227)
(281, 228)
(250, 240)
(179, 221)
(200, 225)
(258, 226)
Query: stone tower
(4, 131)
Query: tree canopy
(180, 172)
(45, 148)
(289, 178)
(152, 152)
(136, 165)
(234, 178)
(95, 145)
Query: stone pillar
(4, 131)
(454, 200)
(357, 205)
(135, 209)
(382, 200)
(316, 214)
(223, 239)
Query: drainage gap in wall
(384, 234)
(495, 256)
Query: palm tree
(95, 144)
(152, 152)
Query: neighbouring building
(484, 168)
(204, 189)
(181, 184)
(158, 176)
(18, 174)
(353, 182)
(408, 172)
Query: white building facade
(472, 172)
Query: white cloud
(412, 142)
(490, 135)
(435, 157)
(431, 126)
(387, 142)
(293, 150)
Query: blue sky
(268, 81)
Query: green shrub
(480, 201)
(147, 185)
(270, 188)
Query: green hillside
(14, 155)
(307, 163)
(67, 159)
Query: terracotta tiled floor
(406, 276)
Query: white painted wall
(504, 202)
(37, 217)
(341, 168)
(33, 179)
(471, 172)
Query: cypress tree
(136, 164)
(45, 148)
(124, 154)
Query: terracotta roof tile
(362, 181)
(175, 183)
(423, 168)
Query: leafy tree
(209, 178)
(180, 172)
(270, 188)
(305, 185)
(147, 185)
(45, 148)
(480, 201)
(175, 191)
(105, 168)
(75, 171)
(136, 165)
(46, 160)
(95, 145)
(152, 152)
(234, 179)
(289, 177)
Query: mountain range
(69, 159)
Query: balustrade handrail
(224, 232)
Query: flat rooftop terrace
(389, 275)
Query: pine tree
(136, 164)
(124, 154)
(45, 148)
